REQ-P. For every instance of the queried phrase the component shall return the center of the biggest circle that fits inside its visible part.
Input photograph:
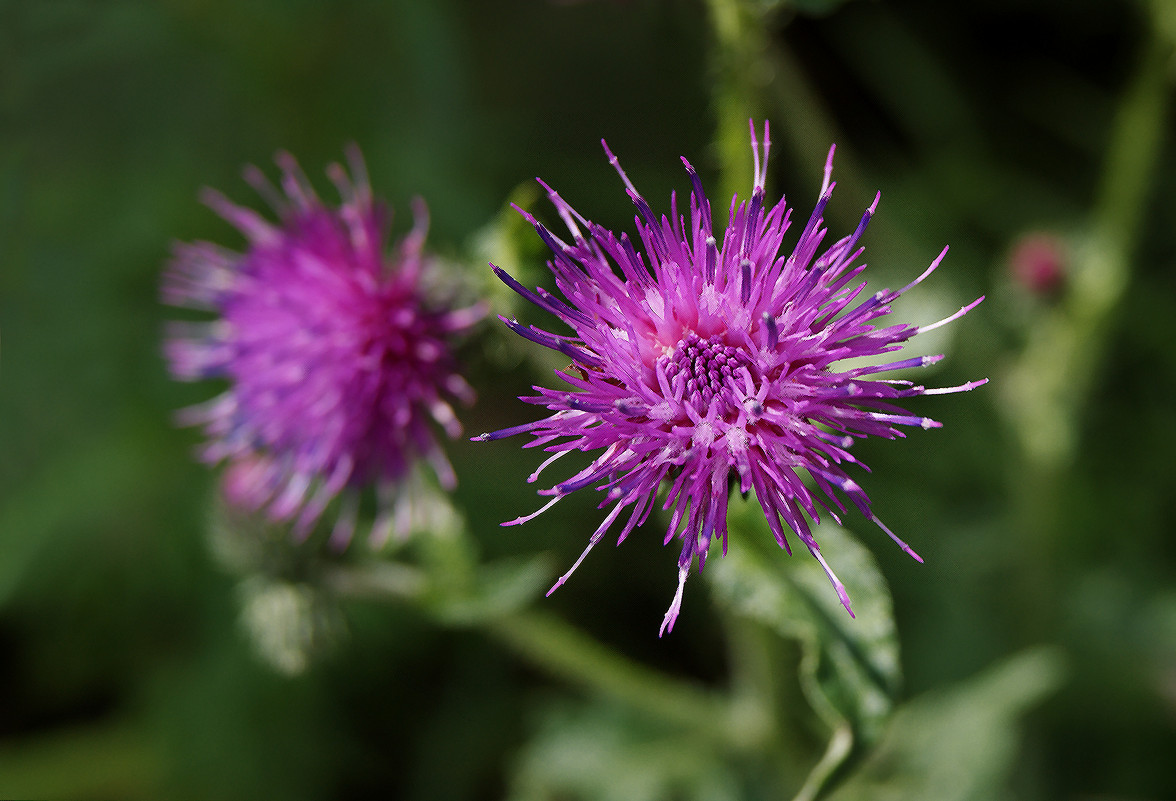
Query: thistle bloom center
(701, 370)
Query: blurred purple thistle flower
(698, 359)
(338, 366)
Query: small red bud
(1038, 262)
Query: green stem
(764, 689)
(809, 129)
(820, 780)
(569, 654)
(754, 697)
(741, 70)
(751, 73)
(566, 653)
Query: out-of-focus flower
(339, 365)
(1037, 262)
(699, 360)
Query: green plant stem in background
(754, 73)
(564, 652)
(754, 676)
(1048, 385)
(764, 692)
(567, 653)
(741, 70)
(822, 777)
(806, 124)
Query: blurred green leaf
(229, 727)
(509, 242)
(99, 480)
(849, 670)
(601, 752)
(462, 590)
(958, 744)
(498, 588)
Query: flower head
(701, 358)
(338, 365)
(1038, 263)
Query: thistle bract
(700, 358)
(338, 364)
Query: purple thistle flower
(698, 359)
(337, 364)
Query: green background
(123, 669)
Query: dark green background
(123, 672)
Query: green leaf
(958, 744)
(461, 590)
(849, 668)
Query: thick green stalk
(562, 651)
(752, 74)
(565, 652)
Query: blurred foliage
(1038, 651)
(600, 753)
(959, 743)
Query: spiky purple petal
(697, 361)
